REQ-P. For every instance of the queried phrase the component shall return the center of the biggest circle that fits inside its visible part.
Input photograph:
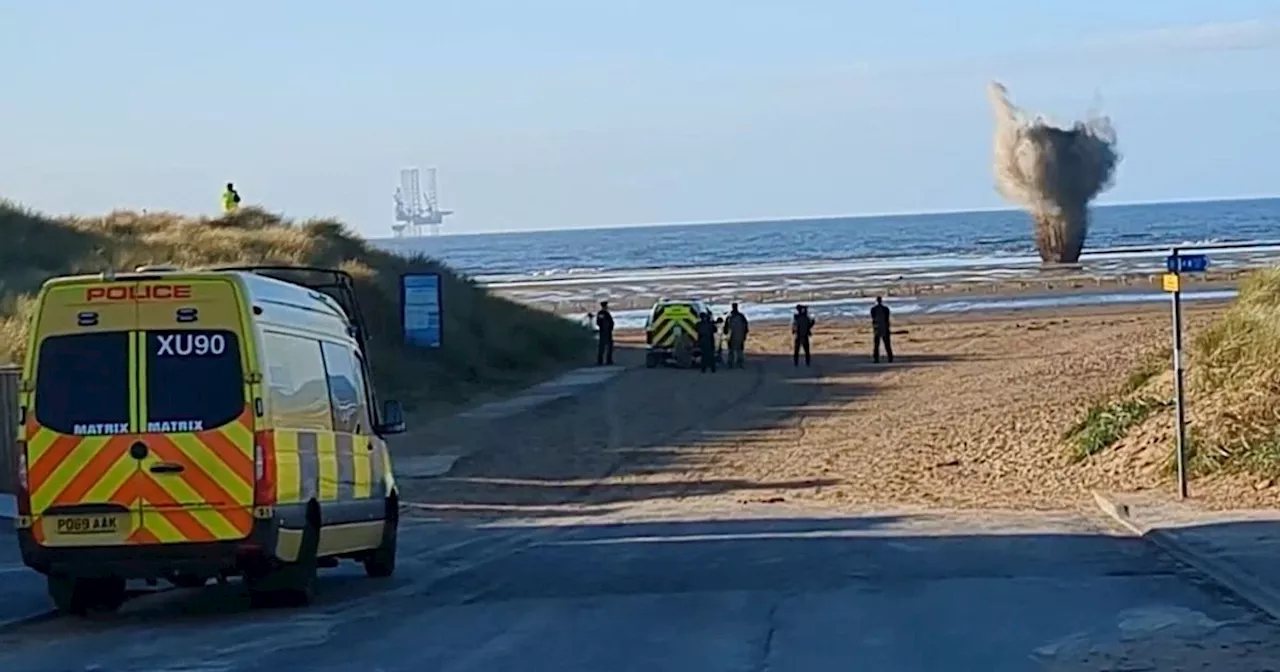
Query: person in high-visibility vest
(230, 199)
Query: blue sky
(574, 113)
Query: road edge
(8, 508)
(26, 619)
(30, 619)
(1223, 573)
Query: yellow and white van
(671, 331)
(188, 425)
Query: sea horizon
(447, 233)
(909, 244)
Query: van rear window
(82, 383)
(194, 380)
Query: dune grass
(1235, 381)
(1152, 364)
(1105, 423)
(1232, 390)
(490, 344)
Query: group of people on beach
(736, 328)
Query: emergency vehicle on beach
(671, 333)
(190, 425)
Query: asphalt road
(956, 592)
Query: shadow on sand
(645, 423)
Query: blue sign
(420, 309)
(1186, 263)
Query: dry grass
(490, 343)
(1232, 391)
(1237, 373)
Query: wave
(1101, 258)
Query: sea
(716, 260)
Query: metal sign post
(1177, 264)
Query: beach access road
(970, 415)
(758, 587)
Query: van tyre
(83, 597)
(651, 360)
(381, 561)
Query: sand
(970, 415)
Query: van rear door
(80, 418)
(139, 431)
(197, 427)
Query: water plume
(1052, 172)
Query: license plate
(79, 525)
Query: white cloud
(1227, 36)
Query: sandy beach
(970, 415)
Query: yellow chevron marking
(65, 471)
(115, 476)
(38, 444)
(239, 435)
(219, 472)
(160, 526)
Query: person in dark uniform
(880, 330)
(801, 330)
(604, 323)
(707, 342)
(736, 328)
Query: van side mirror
(392, 420)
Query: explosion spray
(1053, 172)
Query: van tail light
(264, 472)
(24, 485)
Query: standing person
(604, 324)
(736, 328)
(880, 331)
(707, 342)
(801, 330)
(230, 199)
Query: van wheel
(381, 561)
(82, 597)
(650, 360)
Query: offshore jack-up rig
(418, 211)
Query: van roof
(256, 284)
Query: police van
(671, 332)
(195, 425)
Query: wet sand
(579, 299)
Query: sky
(582, 113)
